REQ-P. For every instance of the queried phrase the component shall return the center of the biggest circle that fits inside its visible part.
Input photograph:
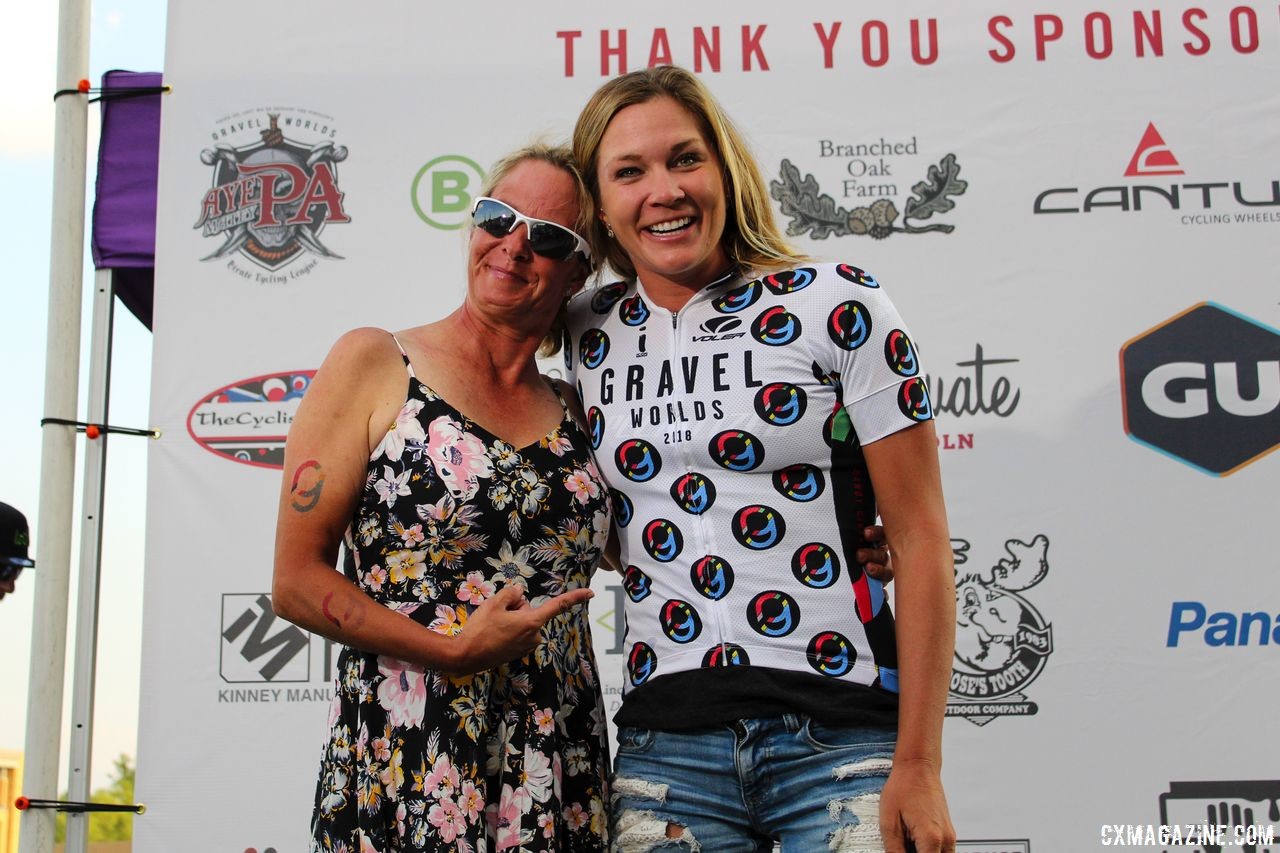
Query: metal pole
(58, 445)
(86, 643)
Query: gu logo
(272, 195)
(1002, 642)
(259, 647)
(1203, 387)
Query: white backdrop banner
(1076, 205)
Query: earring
(608, 229)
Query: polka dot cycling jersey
(731, 435)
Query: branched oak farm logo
(1203, 387)
(275, 188)
(869, 181)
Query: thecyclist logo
(247, 421)
(1203, 387)
(443, 190)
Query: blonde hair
(561, 157)
(751, 236)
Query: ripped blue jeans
(739, 787)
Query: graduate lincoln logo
(274, 189)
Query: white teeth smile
(673, 225)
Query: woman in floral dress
(467, 713)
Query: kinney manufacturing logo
(1002, 641)
(275, 187)
(259, 649)
(1203, 387)
(247, 421)
(1216, 202)
(868, 178)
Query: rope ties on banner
(94, 430)
(24, 803)
(83, 88)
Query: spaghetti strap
(564, 405)
(404, 355)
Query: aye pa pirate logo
(1002, 641)
(272, 195)
(814, 213)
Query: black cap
(14, 537)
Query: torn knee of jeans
(639, 789)
(638, 831)
(863, 834)
(874, 766)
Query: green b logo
(443, 190)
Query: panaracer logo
(719, 329)
(274, 188)
(1222, 627)
(1152, 157)
(1203, 387)
(1002, 641)
(247, 421)
(1217, 814)
(867, 176)
(1221, 201)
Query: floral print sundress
(511, 758)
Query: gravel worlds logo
(869, 179)
(1002, 641)
(275, 188)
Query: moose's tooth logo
(1002, 641)
(272, 196)
(816, 214)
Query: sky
(125, 34)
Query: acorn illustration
(876, 220)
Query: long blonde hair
(751, 236)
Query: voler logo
(868, 178)
(720, 329)
(274, 189)
(1220, 201)
(247, 421)
(1002, 641)
(1203, 387)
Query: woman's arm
(908, 485)
(353, 396)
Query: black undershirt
(706, 697)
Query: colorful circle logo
(773, 613)
(740, 298)
(606, 297)
(593, 347)
(801, 482)
(913, 400)
(680, 621)
(815, 565)
(736, 450)
(849, 325)
(780, 403)
(636, 583)
(641, 664)
(693, 493)
(900, 354)
(595, 426)
(663, 540)
(622, 508)
(856, 275)
(712, 576)
(726, 654)
(790, 281)
(775, 327)
(758, 527)
(638, 460)
(633, 311)
(831, 654)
